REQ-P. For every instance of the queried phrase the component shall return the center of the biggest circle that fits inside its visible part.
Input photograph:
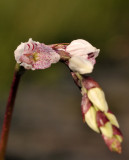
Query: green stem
(79, 76)
(83, 88)
(9, 110)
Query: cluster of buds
(79, 56)
(96, 113)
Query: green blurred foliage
(103, 23)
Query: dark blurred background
(47, 122)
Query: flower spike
(96, 114)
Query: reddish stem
(9, 110)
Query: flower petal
(80, 65)
(81, 47)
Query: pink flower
(83, 56)
(34, 55)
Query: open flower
(34, 55)
(83, 56)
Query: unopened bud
(117, 133)
(119, 138)
(97, 97)
(107, 130)
(112, 119)
(113, 143)
(90, 118)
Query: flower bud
(80, 65)
(112, 119)
(107, 130)
(97, 97)
(90, 118)
(117, 133)
(113, 143)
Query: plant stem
(9, 110)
